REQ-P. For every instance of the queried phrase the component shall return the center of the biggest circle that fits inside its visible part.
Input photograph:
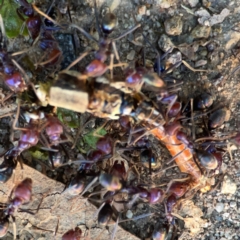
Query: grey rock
(233, 204)
(219, 207)
(165, 43)
(201, 32)
(129, 214)
(131, 55)
(193, 3)
(174, 25)
(228, 186)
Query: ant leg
(174, 157)
(60, 142)
(14, 227)
(86, 34)
(170, 69)
(15, 122)
(45, 141)
(98, 210)
(157, 52)
(176, 180)
(117, 65)
(137, 217)
(163, 170)
(83, 55)
(192, 120)
(57, 55)
(89, 185)
(21, 70)
(49, 8)
(97, 19)
(115, 229)
(6, 98)
(111, 65)
(95, 133)
(173, 99)
(116, 51)
(193, 69)
(90, 119)
(127, 32)
(44, 15)
(40, 60)
(136, 131)
(2, 28)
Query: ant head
(109, 22)
(110, 182)
(207, 160)
(203, 101)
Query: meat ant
(22, 194)
(38, 122)
(97, 67)
(73, 234)
(42, 33)
(12, 75)
(33, 21)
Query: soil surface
(201, 39)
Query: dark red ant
(29, 137)
(73, 234)
(98, 67)
(33, 21)
(22, 194)
(11, 75)
(9, 68)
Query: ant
(33, 21)
(97, 67)
(12, 75)
(73, 234)
(38, 122)
(22, 194)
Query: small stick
(193, 69)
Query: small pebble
(129, 214)
(228, 186)
(131, 55)
(233, 204)
(201, 31)
(193, 3)
(200, 63)
(165, 43)
(142, 10)
(219, 207)
(165, 3)
(39, 167)
(174, 25)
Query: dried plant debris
(192, 216)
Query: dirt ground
(205, 36)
